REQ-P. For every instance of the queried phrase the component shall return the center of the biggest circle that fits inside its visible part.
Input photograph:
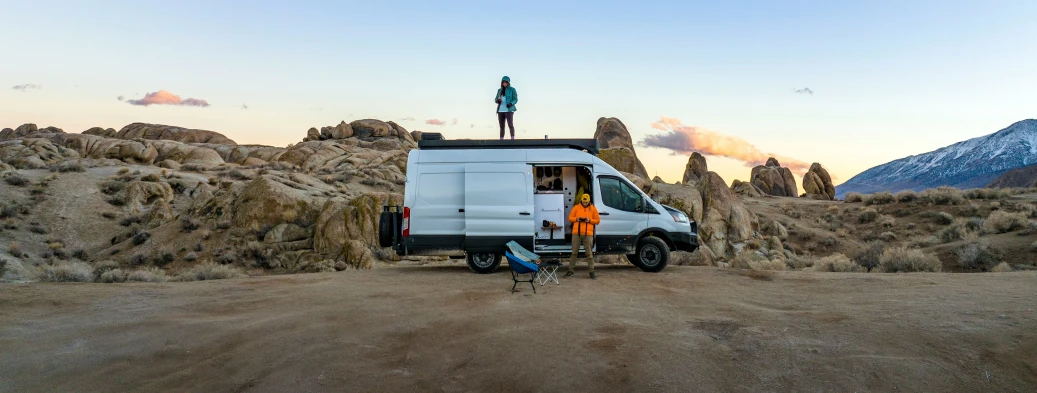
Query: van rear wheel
(483, 262)
(652, 254)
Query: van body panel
(498, 204)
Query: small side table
(548, 272)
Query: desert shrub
(906, 260)
(164, 258)
(38, 229)
(226, 257)
(151, 178)
(954, 232)
(112, 276)
(977, 256)
(975, 224)
(188, 224)
(887, 221)
(869, 257)
(837, 263)
(1002, 222)
(108, 215)
(14, 270)
(16, 179)
(942, 196)
(67, 166)
(754, 261)
(199, 247)
(906, 196)
(887, 236)
(830, 241)
(800, 262)
(1001, 268)
(151, 274)
(116, 201)
(879, 198)
(191, 257)
(853, 197)
(130, 220)
(943, 218)
(80, 254)
(105, 265)
(140, 238)
(37, 190)
(111, 187)
(67, 272)
(138, 259)
(8, 211)
(867, 215)
(210, 271)
(15, 250)
(124, 170)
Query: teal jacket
(510, 97)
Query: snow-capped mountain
(969, 164)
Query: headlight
(679, 216)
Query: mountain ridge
(971, 163)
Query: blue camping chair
(519, 266)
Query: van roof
(589, 145)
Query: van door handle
(524, 214)
(460, 210)
(603, 214)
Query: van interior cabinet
(551, 208)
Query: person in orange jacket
(584, 218)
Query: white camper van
(471, 197)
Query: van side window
(618, 195)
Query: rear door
(623, 217)
(437, 212)
(498, 206)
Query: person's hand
(497, 100)
(510, 105)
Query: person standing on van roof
(506, 99)
(584, 218)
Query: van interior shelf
(590, 145)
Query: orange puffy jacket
(584, 228)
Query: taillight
(406, 221)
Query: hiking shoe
(569, 273)
(593, 277)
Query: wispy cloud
(163, 97)
(682, 139)
(27, 86)
(805, 90)
(244, 107)
(435, 122)
(471, 126)
(408, 118)
(120, 98)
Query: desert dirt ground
(441, 328)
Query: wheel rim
(650, 255)
(482, 260)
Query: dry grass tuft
(906, 196)
(1002, 268)
(67, 272)
(16, 179)
(754, 261)
(210, 271)
(887, 236)
(837, 263)
(879, 198)
(151, 274)
(906, 260)
(112, 276)
(977, 255)
(942, 196)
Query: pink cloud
(684, 139)
(163, 97)
(435, 122)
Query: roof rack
(590, 145)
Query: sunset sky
(848, 84)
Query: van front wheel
(652, 254)
(483, 263)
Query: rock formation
(746, 189)
(162, 132)
(617, 148)
(773, 179)
(817, 183)
(695, 169)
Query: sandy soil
(440, 328)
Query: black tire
(652, 254)
(483, 262)
(633, 260)
(385, 229)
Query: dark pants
(510, 116)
